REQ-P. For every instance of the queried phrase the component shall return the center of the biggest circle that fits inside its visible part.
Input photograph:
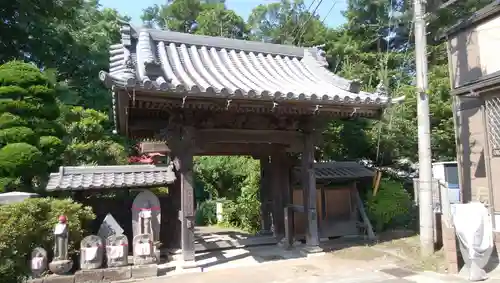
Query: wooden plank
(376, 184)
(364, 216)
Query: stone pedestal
(88, 276)
(117, 273)
(144, 271)
(60, 267)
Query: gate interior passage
(217, 96)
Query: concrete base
(89, 276)
(284, 244)
(117, 273)
(60, 267)
(144, 271)
(187, 267)
(59, 279)
(311, 251)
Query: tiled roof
(344, 170)
(158, 60)
(102, 177)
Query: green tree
(88, 139)
(227, 176)
(29, 134)
(198, 17)
(286, 22)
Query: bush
(391, 208)
(206, 214)
(244, 213)
(20, 159)
(30, 224)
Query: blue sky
(133, 8)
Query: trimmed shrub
(16, 159)
(391, 208)
(30, 224)
(17, 135)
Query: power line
(307, 21)
(329, 11)
(298, 26)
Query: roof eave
(477, 18)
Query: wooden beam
(252, 149)
(248, 136)
(176, 100)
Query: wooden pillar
(277, 164)
(184, 162)
(288, 202)
(265, 194)
(187, 202)
(309, 191)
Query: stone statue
(117, 250)
(143, 250)
(91, 252)
(38, 262)
(146, 219)
(61, 263)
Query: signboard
(109, 227)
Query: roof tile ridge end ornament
(319, 56)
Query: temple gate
(217, 96)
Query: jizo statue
(38, 262)
(145, 216)
(91, 252)
(61, 263)
(61, 234)
(146, 219)
(117, 250)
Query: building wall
(470, 143)
(474, 52)
(488, 39)
(470, 152)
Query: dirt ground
(404, 250)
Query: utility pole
(424, 138)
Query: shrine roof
(76, 178)
(343, 170)
(200, 66)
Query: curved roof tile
(201, 65)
